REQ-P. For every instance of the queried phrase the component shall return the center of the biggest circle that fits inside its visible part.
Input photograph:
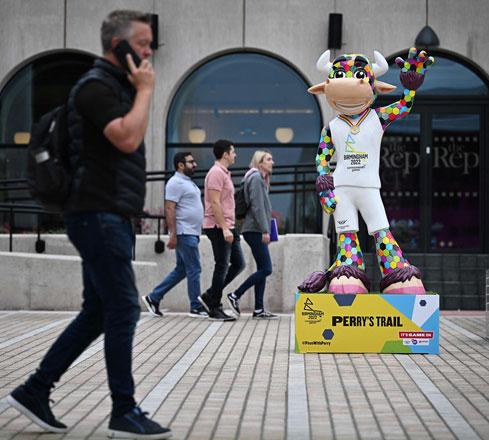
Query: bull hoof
(313, 283)
(406, 280)
(346, 285)
(348, 280)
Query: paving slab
(242, 380)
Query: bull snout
(348, 95)
(348, 88)
(347, 79)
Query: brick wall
(459, 279)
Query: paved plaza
(242, 380)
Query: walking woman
(256, 232)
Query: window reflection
(400, 179)
(293, 196)
(456, 177)
(37, 88)
(256, 101)
(34, 90)
(446, 140)
(245, 97)
(445, 77)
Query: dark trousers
(263, 261)
(110, 306)
(228, 263)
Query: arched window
(33, 90)
(256, 101)
(36, 88)
(433, 161)
(449, 76)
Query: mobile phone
(121, 50)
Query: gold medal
(354, 128)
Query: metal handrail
(300, 184)
(17, 208)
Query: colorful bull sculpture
(354, 137)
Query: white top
(357, 155)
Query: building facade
(239, 69)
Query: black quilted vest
(106, 179)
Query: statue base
(367, 323)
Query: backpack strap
(95, 74)
(246, 180)
(75, 121)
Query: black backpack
(240, 204)
(49, 172)
(52, 157)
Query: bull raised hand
(413, 70)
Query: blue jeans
(228, 263)
(263, 261)
(188, 265)
(110, 306)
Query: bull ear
(323, 64)
(380, 66)
(383, 87)
(317, 89)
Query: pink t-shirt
(219, 179)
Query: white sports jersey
(357, 155)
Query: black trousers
(228, 263)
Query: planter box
(366, 323)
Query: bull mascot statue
(355, 136)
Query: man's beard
(189, 172)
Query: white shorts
(352, 199)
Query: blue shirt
(189, 211)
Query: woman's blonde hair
(258, 157)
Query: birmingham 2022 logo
(311, 315)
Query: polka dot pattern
(328, 201)
(349, 64)
(325, 152)
(416, 62)
(389, 254)
(396, 110)
(349, 252)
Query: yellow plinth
(366, 323)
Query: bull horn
(380, 66)
(323, 64)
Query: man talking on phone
(108, 112)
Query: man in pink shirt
(219, 225)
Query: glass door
(430, 170)
(401, 171)
(455, 197)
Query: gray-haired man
(108, 114)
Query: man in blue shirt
(184, 217)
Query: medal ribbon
(351, 124)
